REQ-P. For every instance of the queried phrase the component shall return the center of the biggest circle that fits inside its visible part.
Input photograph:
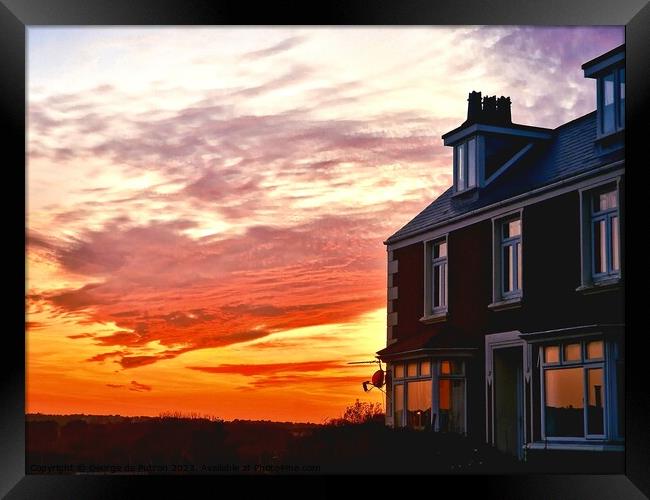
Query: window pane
(399, 371)
(512, 228)
(621, 76)
(620, 396)
(564, 407)
(412, 370)
(608, 103)
(389, 391)
(436, 286)
(451, 367)
(425, 368)
(419, 404)
(518, 266)
(443, 285)
(440, 250)
(595, 349)
(572, 352)
(600, 247)
(398, 405)
(596, 408)
(471, 163)
(460, 167)
(616, 264)
(605, 201)
(508, 275)
(552, 354)
(452, 405)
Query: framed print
(378, 241)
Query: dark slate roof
(570, 152)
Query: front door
(508, 400)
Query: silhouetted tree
(362, 412)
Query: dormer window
(609, 72)
(465, 162)
(487, 144)
(611, 102)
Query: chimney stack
(504, 116)
(488, 110)
(474, 110)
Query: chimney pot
(503, 110)
(490, 109)
(474, 107)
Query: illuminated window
(595, 349)
(605, 234)
(419, 404)
(511, 257)
(398, 405)
(451, 397)
(601, 235)
(507, 262)
(574, 393)
(399, 370)
(572, 352)
(451, 368)
(552, 354)
(412, 396)
(439, 276)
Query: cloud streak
(270, 368)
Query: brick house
(505, 295)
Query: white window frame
(456, 376)
(413, 378)
(433, 314)
(464, 168)
(501, 298)
(619, 111)
(435, 377)
(585, 365)
(589, 279)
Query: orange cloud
(270, 368)
(135, 386)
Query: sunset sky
(206, 207)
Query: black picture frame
(17, 15)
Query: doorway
(508, 400)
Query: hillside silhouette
(174, 443)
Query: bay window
(575, 395)
(430, 395)
(451, 397)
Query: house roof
(570, 152)
(595, 66)
(444, 339)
